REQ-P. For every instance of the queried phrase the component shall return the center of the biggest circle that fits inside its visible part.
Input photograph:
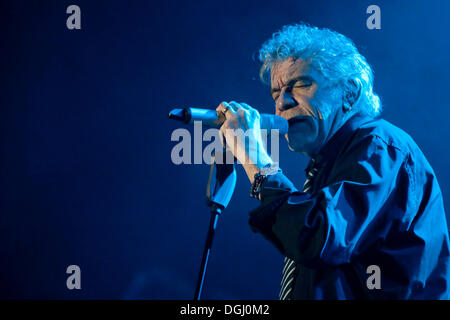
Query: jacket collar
(336, 143)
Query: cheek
(304, 132)
(305, 105)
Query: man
(371, 201)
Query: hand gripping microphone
(211, 119)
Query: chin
(299, 146)
(296, 147)
(302, 139)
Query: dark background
(86, 174)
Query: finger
(241, 111)
(230, 106)
(248, 111)
(245, 106)
(229, 111)
(249, 108)
(221, 108)
(224, 107)
(236, 106)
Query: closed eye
(301, 82)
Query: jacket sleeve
(334, 223)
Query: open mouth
(295, 120)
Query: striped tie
(287, 280)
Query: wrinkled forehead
(285, 70)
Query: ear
(353, 94)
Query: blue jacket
(374, 202)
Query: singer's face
(299, 91)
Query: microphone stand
(219, 190)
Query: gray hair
(329, 52)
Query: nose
(285, 101)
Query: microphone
(211, 119)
